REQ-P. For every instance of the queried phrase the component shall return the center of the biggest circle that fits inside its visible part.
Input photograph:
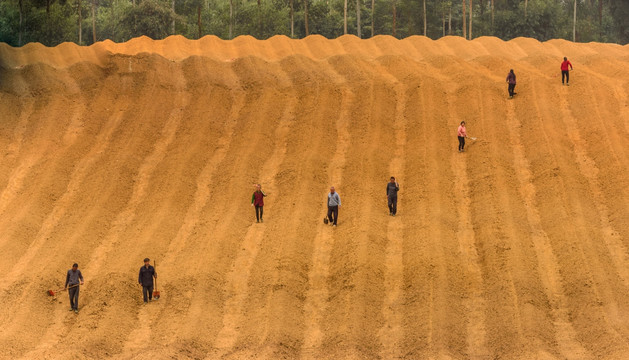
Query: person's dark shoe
(567, 84)
(257, 221)
(261, 220)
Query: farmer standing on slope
(392, 188)
(565, 73)
(461, 133)
(334, 201)
(72, 279)
(147, 273)
(511, 81)
(257, 200)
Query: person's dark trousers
(566, 74)
(333, 214)
(393, 204)
(74, 297)
(461, 143)
(259, 212)
(147, 291)
(511, 89)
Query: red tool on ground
(54, 292)
(155, 292)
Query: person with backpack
(334, 201)
(392, 188)
(511, 81)
(565, 73)
(147, 273)
(257, 200)
(74, 278)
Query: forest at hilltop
(52, 22)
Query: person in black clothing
(147, 273)
(74, 278)
(392, 188)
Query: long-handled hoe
(155, 292)
(54, 292)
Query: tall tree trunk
(394, 17)
(172, 30)
(306, 17)
(425, 26)
(526, 3)
(450, 21)
(19, 36)
(231, 19)
(80, 24)
(259, 19)
(199, 21)
(358, 31)
(93, 21)
(345, 17)
(373, 25)
(443, 24)
(48, 27)
(600, 19)
(292, 19)
(574, 23)
(492, 17)
(464, 21)
(471, 13)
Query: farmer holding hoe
(74, 278)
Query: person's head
(392, 179)
(75, 266)
(565, 58)
(147, 261)
(462, 123)
(331, 189)
(511, 71)
(258, 186)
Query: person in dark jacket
(74, 278)
(511, 81)
(147, 273)
(257, 200)
(392, 188)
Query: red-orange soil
(515, 249)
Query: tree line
(84, 22)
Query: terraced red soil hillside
(514, 249)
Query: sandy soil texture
(515, 249)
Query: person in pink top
(462, 134)
(565, 73)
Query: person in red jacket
(565, 73)
(257, 200)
